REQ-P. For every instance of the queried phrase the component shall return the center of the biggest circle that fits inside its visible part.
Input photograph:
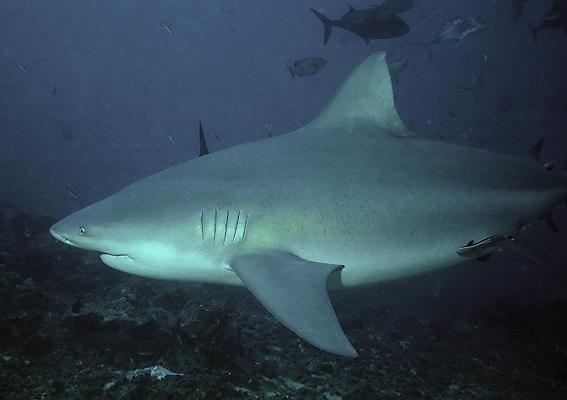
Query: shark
(352, 198)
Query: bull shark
(352, 198)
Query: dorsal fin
(366, 97)
(203, 148)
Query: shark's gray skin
(350, 199)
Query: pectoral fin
(294, 291)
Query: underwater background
(97, 94)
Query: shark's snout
(55, 233)
(65, 233)
(61, 232)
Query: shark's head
(137, 232)
(94, 228)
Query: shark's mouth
(118, 261)
(117, 256)
(107, 255)
(61, 238)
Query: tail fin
(291, 71)
(327, 25)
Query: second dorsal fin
(203, 148)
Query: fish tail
(291, 71)
(327, 25)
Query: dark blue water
(95, 95)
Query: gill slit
(236, 226)
(215, 228)
(245, 225)
(225, 228)
(202, 226)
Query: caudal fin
(327, 25)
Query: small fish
(23, 69)
(307, 66)
(171, 139)
(158, 372)
(69, 188)
(455, 30)
(377, 22)
(167, 28)
(54, 90)
(396, 67)
(459, 29)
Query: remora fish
(484, 248)
(307, 66)
(351, 198)
(378, 22)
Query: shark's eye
(82, 231)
